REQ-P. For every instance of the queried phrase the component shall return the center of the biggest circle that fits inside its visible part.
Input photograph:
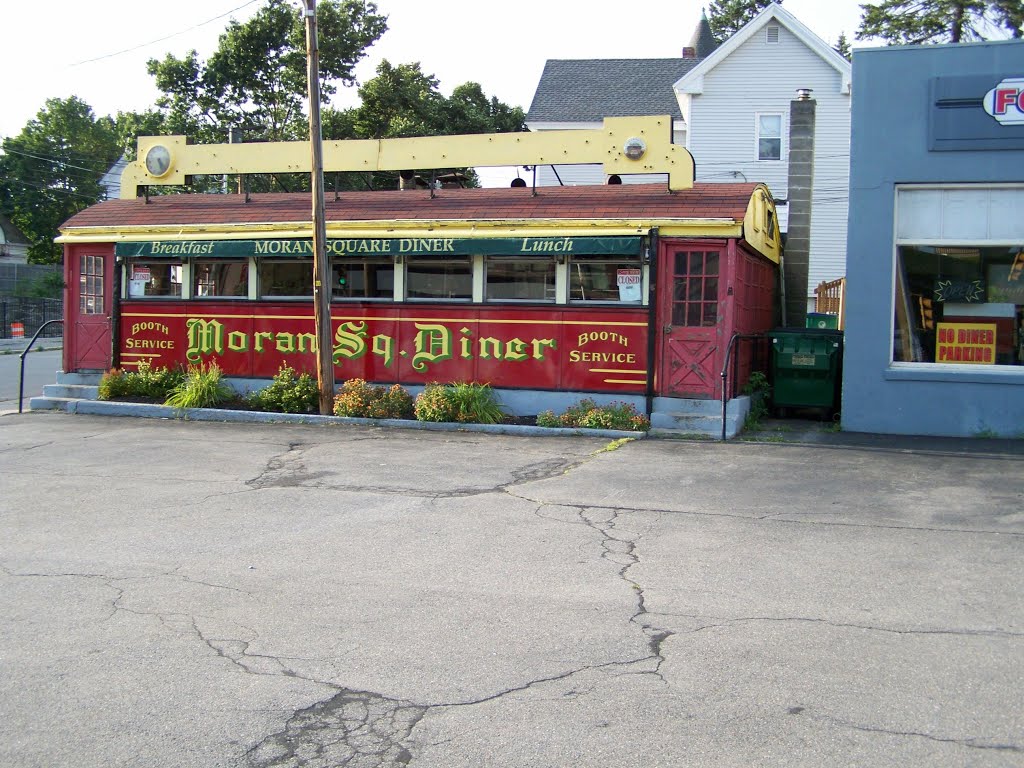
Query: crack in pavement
(725, 622)
(975, 742)
(359, 729)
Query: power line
(167, 37)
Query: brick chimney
(801, 181)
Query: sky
(98, 49)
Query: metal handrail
(725, 370)
(21, 376)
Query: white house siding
(759, 77)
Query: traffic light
(924, 308)
(342, 279)
(1017, 268)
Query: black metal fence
(30, 313)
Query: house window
(771, 34)
(221, 279)
(509, 279)
(90, 291)
(769, 136)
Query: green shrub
(201, 387)
(359, 399)
(462, 402)
(587, 414)
(287, 393)
(145, 381)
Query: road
(40, 369)
(193, 594)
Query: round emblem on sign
(634, 148)
(158, 160)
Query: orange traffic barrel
(17, 330)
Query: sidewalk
(43, 343)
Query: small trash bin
(806, 366)
(822, 320)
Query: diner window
(363, 279)
(769, 136)
(286, 279)
(221, 278)
(451, 279)
(605, 278)
(154, 279)
(509, 279)
(90, 289)
(695, 288)
(959, 304)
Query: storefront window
(221, 278)
(286, 279)
(440, 280)
(520, 279)
(154, 279)
(363, 279)
(605, 278)
(959, 304)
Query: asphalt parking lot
(201, 594)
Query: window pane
(769, 126)
(711, 265)
(154, 278)
(363, 279)
(693, 315)
(681, 260)
(441, 280)
(695, 289)
(710, 313)
(221, 278)
(520, 279)
(769, 149)
(598, 278)
(696, 263)
(961, 305)
(711, 289)
(286, 278)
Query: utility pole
(321, 259)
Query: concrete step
(76, 391)
(44, 403)
(704, 417)
(91, 379)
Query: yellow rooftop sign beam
(622, 145)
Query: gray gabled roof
(588, 90)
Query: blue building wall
(890, 145)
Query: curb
(147, 411)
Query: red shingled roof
(626, 201)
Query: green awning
(384, 247)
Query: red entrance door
(689, 310)
(87, 318)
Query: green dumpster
(806, 366)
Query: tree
(402, 101)
(901, 22)
(726, 17)
(52, 170)
(842, 46)
(256, 79)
